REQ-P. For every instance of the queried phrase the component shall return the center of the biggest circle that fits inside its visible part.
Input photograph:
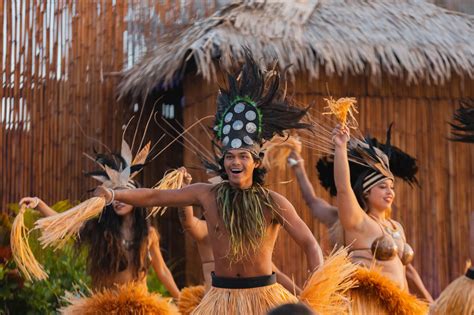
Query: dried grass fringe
(326, 290)
(56, 230)
(343, 109)
(130, 298)
(376, 292)
(277, 151)
(21, 251)
(173, 179)
(457, 298)
(255, 301)
(189, 299)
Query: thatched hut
(406, 61)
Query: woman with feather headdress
(121, 246)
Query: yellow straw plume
(344, 109)
(173, 179)
(56, 230)
(21, 251)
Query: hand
(295, 160)
(187, 178)
(30, 202)
(340, 135)
(104, 192)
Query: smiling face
(239, 166)
(380, 197)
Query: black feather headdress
(370, 157)
(463, 122)
(252, 109)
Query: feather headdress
(463, 122)
(367, 157)
(252, 109)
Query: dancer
(365, 192)
(121, 245)
(243, 218)
(190, 297)
(328, 215)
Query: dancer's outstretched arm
(38, 204)
(146, 197)
(299, 231)
(320, 208)
(162, 271)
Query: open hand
(187, 178)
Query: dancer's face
(122, 209)
(381, 196)
(239, 165)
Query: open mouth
(236, 170)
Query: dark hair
(258, 175)
(291, 309)
(104, 241)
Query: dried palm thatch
(22, 254)
(412, 39)
(244, 301)
(457, 298)
(343, 109)
(57, 229)
(173, 179)
(189, 299)
(277, 151)
(129, 298)
(325, 291)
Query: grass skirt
(457, 298)
(123, 300)
(190, 298)
(376, 294)
(253, 301)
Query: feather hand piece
(278, 149)
(173, 179)
(343, 109)
(56, 230)
(22, 254)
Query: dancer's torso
(259, 264)
(364, 240)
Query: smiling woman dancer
(365, 193)
(243, 217)
(121, 245)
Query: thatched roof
(412, 39)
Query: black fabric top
(470, 273)
(242, 283)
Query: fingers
(30, 202)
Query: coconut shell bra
(385, 248)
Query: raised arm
(351, 214)
(320, 208)
(162, 271)
(299, 231)
(146, 197)
(38, 204)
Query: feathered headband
(370, 162)
(250, 110)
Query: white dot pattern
(251, 127)
(236, 143)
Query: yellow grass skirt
(124, 300)
(190, 298)
(253, 301)
(457, 298)
(376, 294)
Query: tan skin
(126, 276)
(239, 166)
(361, 227)
(328, 215)
(197, 229)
